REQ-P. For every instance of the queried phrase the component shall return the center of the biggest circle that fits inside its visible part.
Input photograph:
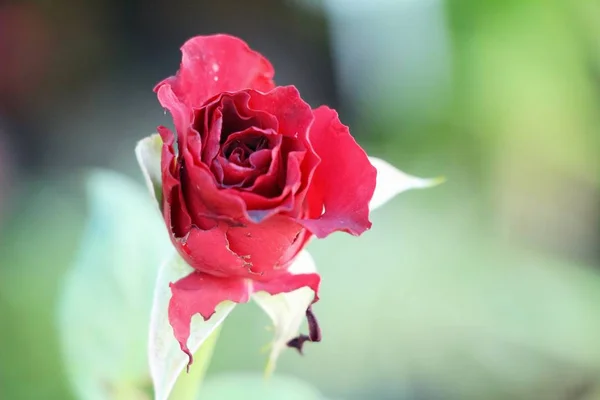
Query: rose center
(239, 150)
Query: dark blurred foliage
(86, 60)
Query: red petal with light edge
(344, 181)
(200, 293)
(288, 282)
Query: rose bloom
(249, 175)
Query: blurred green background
(487, 287)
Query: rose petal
(148, 153)
(287, 310)
(299, 243)
(270, 162)
(293, 114)
(192, 240)
(286, 283)
(267, 242)
(182, 115)
(289, 179)
(209, 251)
(206, 200)
(238, 115)
(170, 174)
(261, 207)
(308, 166)
(218, 63)
(226, 114)
(344, 181)
(258, 164)
(174, 210)
(209, 124)
(259, 118)
(200, 293)
(391, 181)
(164, 352)
(262, 159)
(176, 214)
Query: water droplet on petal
(215, 67)
(216, 78)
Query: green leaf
(391, 181)
(167, 360)
(106, 298)
(188, 385)
(148, 153)
(287, 310)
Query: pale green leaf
(148, 153)
(165, 355)
(391, 181)
(188, 385)
(106, 297)
(287, 310)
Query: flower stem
(188, 385)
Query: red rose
(250, 175)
